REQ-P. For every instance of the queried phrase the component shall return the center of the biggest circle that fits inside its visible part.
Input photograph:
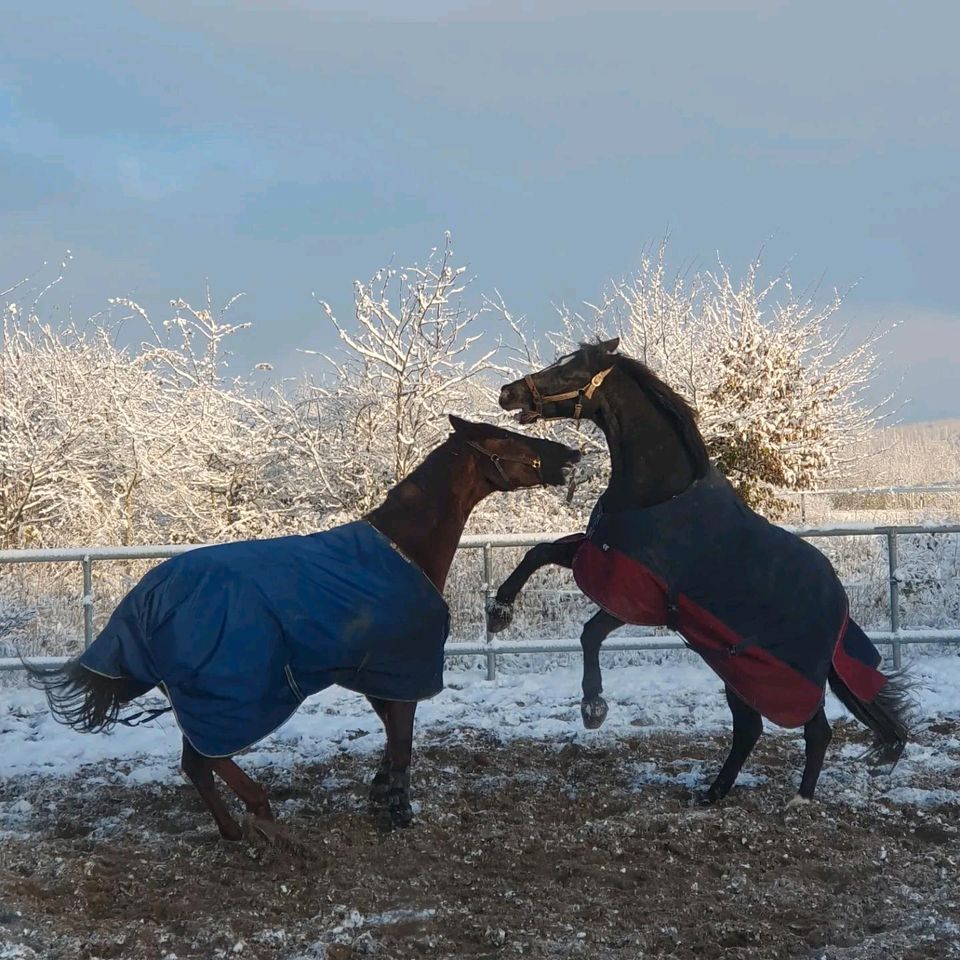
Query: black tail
(887, 715)
(80, 698)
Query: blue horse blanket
(763, 608)
(239, 634)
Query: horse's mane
(666, 399)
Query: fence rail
(895, 637)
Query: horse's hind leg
(500, 608)
(251, 793)
(593, 708)
(380, 787)
(817, 736)
(747, 727)
(200, 771)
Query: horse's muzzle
(516, 396)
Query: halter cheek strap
(581, 394)
(496, 460)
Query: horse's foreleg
(380, 787)
(397, 811)
(200, 771)
(593, 708)
(251, 793)
(500, 608)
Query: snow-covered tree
(411, 355)
(779, 397)
(155, 442)
(100, 444)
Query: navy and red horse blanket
(764, 608)
(239, 634)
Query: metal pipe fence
(896, 637)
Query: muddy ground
(522, 849)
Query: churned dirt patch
(521, 849)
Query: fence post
(893, 561)
(488, 594)
(87, 565)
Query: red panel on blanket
(634, 594)
(620, 585)
(864, 680)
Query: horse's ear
(459, 424)
(610, 346)
(470, 430)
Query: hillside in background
(909, 454)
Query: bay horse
(237, 635)
(670, 543)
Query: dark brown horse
(270, 605)
(670, 543)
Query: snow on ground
(675, 695)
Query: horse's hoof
(798, 803)
(259, 829)
(594, 712)
(392, 818)
(231, 831)
(708, 799)
(499, 615)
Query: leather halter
(585, 392)
(496, 459)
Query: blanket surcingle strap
(239, 634)
(764, 608)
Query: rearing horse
(237, 635)
(671, 544)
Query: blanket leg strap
(142, 716)
(673, 609)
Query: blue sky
(281, 147)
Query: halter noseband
(496, 460)
(585, 392)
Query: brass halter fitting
(581, 393)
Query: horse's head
(511, 460)
(565, 388)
